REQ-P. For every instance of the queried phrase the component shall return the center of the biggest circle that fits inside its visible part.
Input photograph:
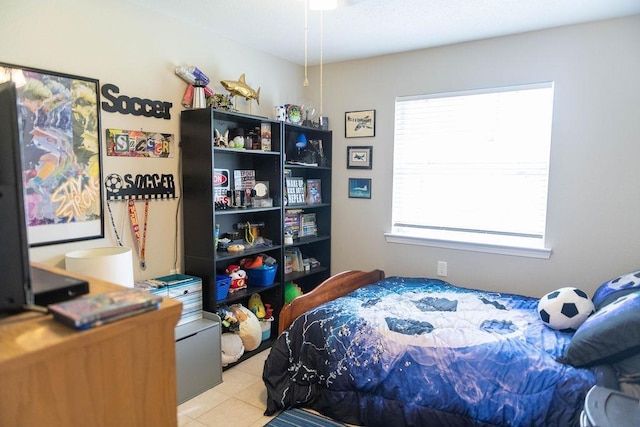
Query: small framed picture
(359, 124)
(360, 188)
(359, 157)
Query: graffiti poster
(60, 133)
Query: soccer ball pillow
(565, 309)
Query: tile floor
(240, 401)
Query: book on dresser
(95, 310)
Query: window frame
(511, 244)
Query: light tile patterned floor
(240, 401)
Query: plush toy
(565, 309)
(232, 348)
(220, 140)
(256, 306)
(291, 291)
(250, 331)
(238, 278)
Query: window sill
(522, 251)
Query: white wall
(593, 224)
(137, 51)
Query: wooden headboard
(332, 288)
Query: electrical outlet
(442, 268)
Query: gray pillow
(610, 335)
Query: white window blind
(473, 166)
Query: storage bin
(261, 276)
(266, 330)
(223, 283)
(180, 287)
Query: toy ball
(565, 309)
(291, 291)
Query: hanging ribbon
(136, 229)
(113, 224)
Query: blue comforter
(422, 352)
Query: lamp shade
(111, 264)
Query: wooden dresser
(119, 374)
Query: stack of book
(95, 310)
(308, 225)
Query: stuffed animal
(238, 278)
(291, 291)
(250, 331)
(256, 306)
(232, 348)
(228, 319)
(220, 140)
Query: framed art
(60, 125)
(359, 124)
(359, 157)
(360, 188)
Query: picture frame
(359, 157)
(359, 188)
(360, 124)
(61, 154)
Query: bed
(375, 351)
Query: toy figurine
(238, 278)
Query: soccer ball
(113, 183)
(565, 309)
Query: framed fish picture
(359, 124)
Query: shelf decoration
(140, 186)
(295, 191)
(314, 191)
(240, 88)
(360, 123)
(60, 122)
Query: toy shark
(240, 87)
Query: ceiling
(365, 28)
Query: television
(14, 253)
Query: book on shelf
(295, 190)
(295, 258)
(292, 222)
(308, 225)
(314, 191)
(95, 310)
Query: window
(471, 169)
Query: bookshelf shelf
(204, 164)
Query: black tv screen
(14, 254)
